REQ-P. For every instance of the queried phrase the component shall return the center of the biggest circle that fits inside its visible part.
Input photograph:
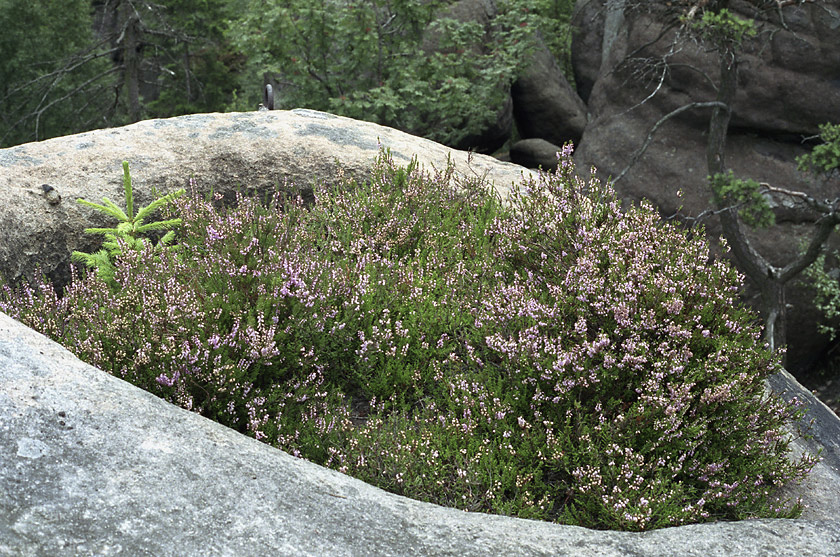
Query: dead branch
(641, 150)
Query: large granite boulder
(545, 105)
(254, 151)
(788, 85)
(91, 465)
(788, 72)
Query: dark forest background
(76, 65)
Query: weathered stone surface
(822, 489)
(789, 83)
(789, 77)
(535, 153)
(255, 151)
(587, 41)
(544, 104)
(90, 465)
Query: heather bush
(551, 357)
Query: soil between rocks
(827, 389)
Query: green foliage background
(200, 26)
(393, 61)
(40, 83)
(389, 61)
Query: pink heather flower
(580, 326)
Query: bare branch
(41, 109)
(703, 215)
(691, 12)
(635, 158)
(824, 229)
(751, 262)
(827, 207)
(72, 64)
(783, 3)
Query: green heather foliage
(552, 358)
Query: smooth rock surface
(90, 465)
(535, 153)
(254, 151)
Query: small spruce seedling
(126, 234)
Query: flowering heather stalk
(554, 358)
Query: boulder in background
(535, 153)
(545, 105)
(789, 84)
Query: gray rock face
(788, 73)
(545, 105)
(90, 465)
(788, 85)
(254, 151)
(535, 153)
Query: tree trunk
(719, 122)
(131, 60)
(188, 81)
(764, 276)
(773, 308)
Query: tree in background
(172, 53)
(739, 202)
(825, 159)
(54, 74)
(98, 63)
(400, 63)
(109, 62)
(554, 20)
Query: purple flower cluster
(552, 357)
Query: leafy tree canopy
(395, 62)
(41, 74)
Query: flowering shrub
(552, 357)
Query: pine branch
(109, 208)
